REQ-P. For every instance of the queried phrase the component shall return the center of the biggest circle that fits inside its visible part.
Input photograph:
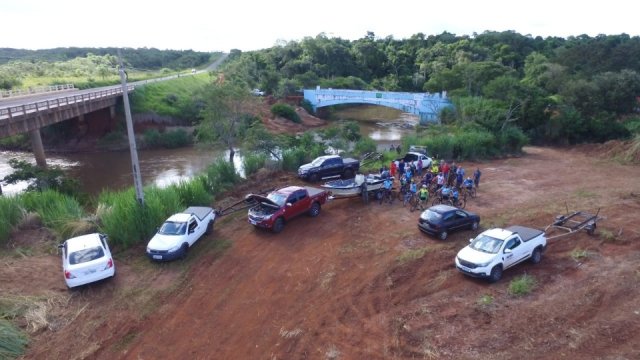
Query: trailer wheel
(591, 229)
(278, 225)
(496, 274)
(379, 195)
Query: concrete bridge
(425, 105)
(29, 114)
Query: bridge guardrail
(22, 110)
(35, 90)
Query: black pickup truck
(329, 166)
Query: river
(112, 170)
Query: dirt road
(362, 282)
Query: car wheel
(184, 250)
(536, 256)
(209, 228)
(313, 177)
(315, 210)
(443, 235)
(278, 225)
(474, 226)
(496, 274)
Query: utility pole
(137, 179)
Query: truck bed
(200, 211)
(525, 233)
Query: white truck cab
(496, 250)
(179, 232)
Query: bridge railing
(35, 90)
(23, 110)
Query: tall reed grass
(56, 210)
(11, 214)
(253, 162)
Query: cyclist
(455, 195)
(424, 196)
(440, 180)
(468, 183)
(413, 189)
(445, 192)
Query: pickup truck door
(194, 230)
(517, 252)
(332, 167)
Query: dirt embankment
(362, 282)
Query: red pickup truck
(274, 210)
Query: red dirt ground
(362, 282)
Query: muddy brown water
(112, 170)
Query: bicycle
(471, 191)
(402, 191)
(461, 202)
(387, 196)
(412, 200)
(422, 203)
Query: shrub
(365, 145)
(252, 163)
(293, 158)
(169, 139)
(522, 285)
(286, 112)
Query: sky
(250, 25)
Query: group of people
(448, 179)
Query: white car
(86, 259)
(257, 92)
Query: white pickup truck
(495, 250)
(180, 232)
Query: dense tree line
(554, 89)
(142, 58)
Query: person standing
(419, 167)
(392, 168)
(476, 177)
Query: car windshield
(486, 244)
(318, 161)
(277, 198)
(432, 216)
(173, 228)
(85, 255)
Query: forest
(554, 90)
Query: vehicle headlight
(484, 264)
(148, 249)
(175, 248)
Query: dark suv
(440, 220)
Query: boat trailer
(570, 223)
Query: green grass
(485, 300)
(608, 235)
(522, 285)
(411, 255)
(252, 163)
(13, 341)
(170, 98)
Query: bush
(365, 145)
(286, 112)
(10, 215)
(252, 163)
(293, 158)
(522, 285)
(169, 139)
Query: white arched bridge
(425, 105)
